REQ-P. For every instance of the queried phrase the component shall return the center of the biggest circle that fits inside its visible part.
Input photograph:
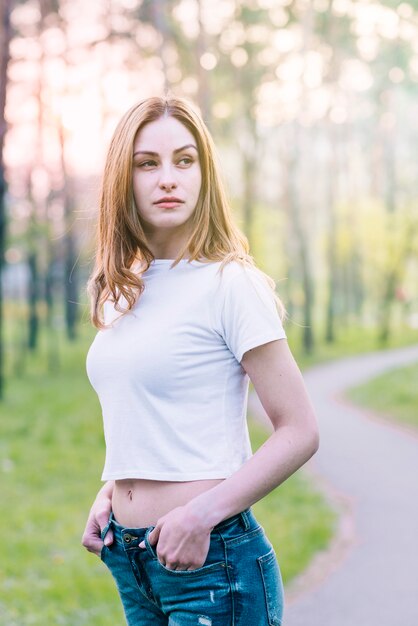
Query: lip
(169, 200)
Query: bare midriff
(138, 503)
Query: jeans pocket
(205, 569)
(103, 534)
(273, 587)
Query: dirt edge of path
(325, 561)
(344, 538)
(384, 419)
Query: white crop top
(168, 376)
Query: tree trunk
(5, 36)
(159, 21)
(248, 199)
(70, 258)
(393, 275)
(203, 94)
(295, 220)
(332, 239)
(52, 336)
(33, 300)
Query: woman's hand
(97, 520)
(183, 539)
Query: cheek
(197, 183)
(141, 189)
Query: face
(166, 176)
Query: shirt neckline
(167, 260)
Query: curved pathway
(371, 580)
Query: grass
(393, 394)
(51, 454)
(297, 519)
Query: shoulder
(236, 275)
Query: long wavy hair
(120, 238)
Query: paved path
(375, 466)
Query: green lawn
(51, 455)
(295, 516)
(393, 394)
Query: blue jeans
(238, 585)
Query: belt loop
(150, 549)
(244, 519)
(106, 528)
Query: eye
(147, 164)
(186, 160)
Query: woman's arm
(282, 392)
(279, 385)
(97, 520)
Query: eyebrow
(189, 145)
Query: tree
(5, 37)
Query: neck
(167, 244)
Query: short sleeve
(249, 316)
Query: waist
(140, 502)
(244, 521)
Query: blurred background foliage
(312, 105)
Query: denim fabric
(238, 585)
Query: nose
(167, 180)
(167, 185)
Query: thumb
(152, 538)
(108, 540)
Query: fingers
(97, 521)
(154, 535)
(92, 542)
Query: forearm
(277, 459)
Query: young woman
(188, 321)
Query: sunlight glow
(268, 56)
(355, 75)
(215, 20)
(291, 69)
(405, 10)
(396, 75)
(222, 110)
(232, 37)
(287, 40)
(208, 61)
(88, 83)
(190, 85)
(313, 70)
(186, 12)
(257, 33)
(338, 115)
(239, 57)
(278, 17)
(368, 47)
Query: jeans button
(127, 538)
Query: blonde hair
(120, 239)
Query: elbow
(315, 442)
(312, 440)
(310, 436)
